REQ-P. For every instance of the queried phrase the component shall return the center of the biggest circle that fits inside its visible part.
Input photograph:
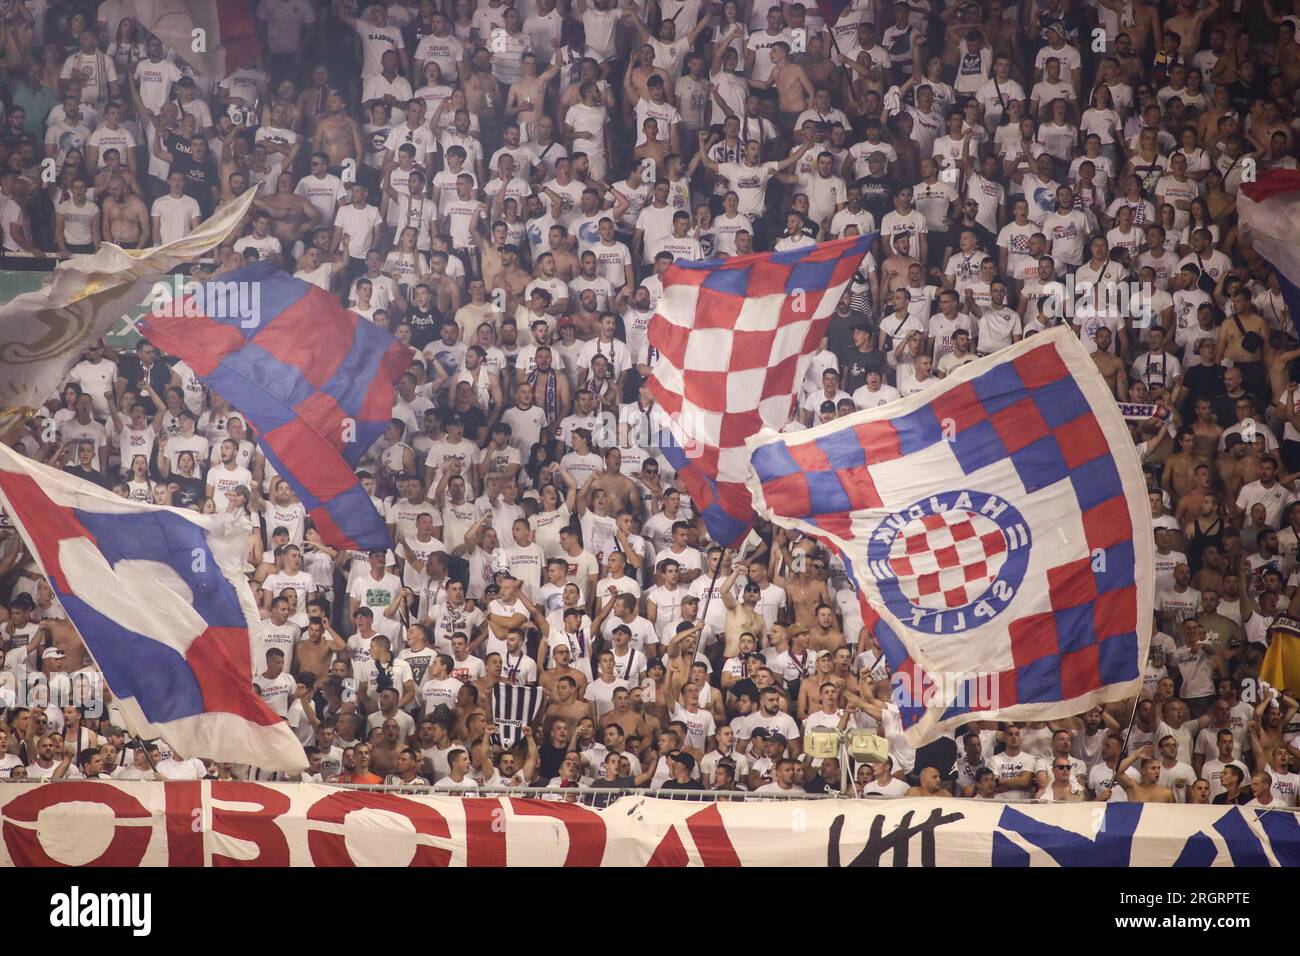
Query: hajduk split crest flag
(996, 528)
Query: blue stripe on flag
(770, 461)
(276, 387)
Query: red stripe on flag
(296, 440)
(1271, 183)
(46, 523)
(960, 405)
(710, 836)
(1079, 671)
(788, 495)
(708, 390)
(860, 487)
(239, 36)
(203, 342)
(219, 659)
(1115, 612)
(768, 278)
(1033, 637)
(1107, 524)
(1072, 584)
(1081, 441)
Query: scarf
(550, 403)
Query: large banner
(249, 824)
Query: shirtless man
(826, 636)
(810, 688)
(743, 616)
(561, 654)
(1145, 789)
(794, 91)
(337, 134)
(929, 785)
(804, 586)
(315, 652)
(617, 486)
(113, 166)
(527, 97)
(895, 269)
(65, 637)
(636, 84)
(509, 276)
(1145, 25)
(633, 723)
(1206, 429)
(566, 704)
(1187, 24)
(480, 85)
(126, 220)
(655, 148)
(292, 216)
(1110, 366)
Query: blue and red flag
(1268, 213)
(158, 597)
(313, 380)
(733, 339)
(996, 528)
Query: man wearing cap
(682, 766)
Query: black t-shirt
(425, 326)
(1241, 95)
(189, 490)
(877, 194)
(89, 474)
(549, 759)
(1225, 408)
(1243, 797)
(200, 180)
(688, 785)
(855, 364)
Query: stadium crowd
(501, 186)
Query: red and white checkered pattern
(947, 560)
(730, 365)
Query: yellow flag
(1281, 667)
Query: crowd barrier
(220, 823)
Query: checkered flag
(997, 530)
(733, 338)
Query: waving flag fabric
(734, 338)
(43, 333)
(996, 528)
(158, 598)
(1268, 212)
(229, 31)
(314, 380)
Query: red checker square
(708, 390)
(780, 377)
(1007, 692)
(329, 474)
(1072, 584)
(204, 342)
(738, 426)
(947, 557)
(1033, 637)
(994, 543)
(927, 584)
(1020, 424)
(751, 350)
(716, 310)
(933, 522)
(916, 544)
(1081, 441)
(960, 405)
(956, 597)
(839, 524)
(962, 530)
(768, 278)
(859, 486)
(671, 401)
(902, 567)
(735, 497)
(670, 339)
(676, 275)
(1115, 612)
(879, 441)
(1079, 673)
(787, 495)
(1040, 366)
(977, 571)
(808, 456)
(1107, 524)
(323, 416)
(816, 330)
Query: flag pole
(704, 610)
(1137, 699)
